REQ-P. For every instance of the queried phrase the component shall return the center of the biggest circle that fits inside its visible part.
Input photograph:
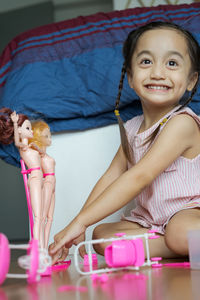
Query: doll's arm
(35, 147)
(15, 118)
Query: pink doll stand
(124, 252)
(24, 173)
(35, 262)
(4, 257)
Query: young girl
(40, 141)
(159, 166)
(17, 128)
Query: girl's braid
(124, 140)
(123, 72)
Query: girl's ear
(192, 81)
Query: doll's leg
(48, 207)
(178, 227)
(42, 223)
(35, 187)
(49, 221)
(157, 246)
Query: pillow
(68, 73)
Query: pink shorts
(160, 228)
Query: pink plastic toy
(86, 260)
(67, 288)
(35, 262)
(61, 266)
(124, 252)
(172, 265)
(4, 257)
(179, 264)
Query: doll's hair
(38, 127)
(7, 126)
(128, 51)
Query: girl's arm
(116, 168)
(177, 138)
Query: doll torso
(48, 164)
(31, 157)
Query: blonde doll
(40, 141)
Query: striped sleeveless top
(177, 188)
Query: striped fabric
(67, 73)
(177, 188)
(88, 31)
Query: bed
(67, 74)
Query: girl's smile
(161, 68)
(154, 87)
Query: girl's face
(46, 137)
(25, 130)
(161, 68)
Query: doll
(42, 139)
(17, 128)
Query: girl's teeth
(157, 87)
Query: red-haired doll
(17, 128)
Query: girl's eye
(172, 63)
(145, 62)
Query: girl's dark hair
(7, 127)
(128, 51)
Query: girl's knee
(176, 236)
(99, 232)
(176, 239)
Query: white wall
(123, 4)
(81, 158)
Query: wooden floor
(166, 283)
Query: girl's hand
(14, 117)
(80, 239)
(70, 235)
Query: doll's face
(46, 137)
(25, 130)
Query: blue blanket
(67, 73)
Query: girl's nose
(157, 72)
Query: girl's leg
(178, 227)
(157, 247)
